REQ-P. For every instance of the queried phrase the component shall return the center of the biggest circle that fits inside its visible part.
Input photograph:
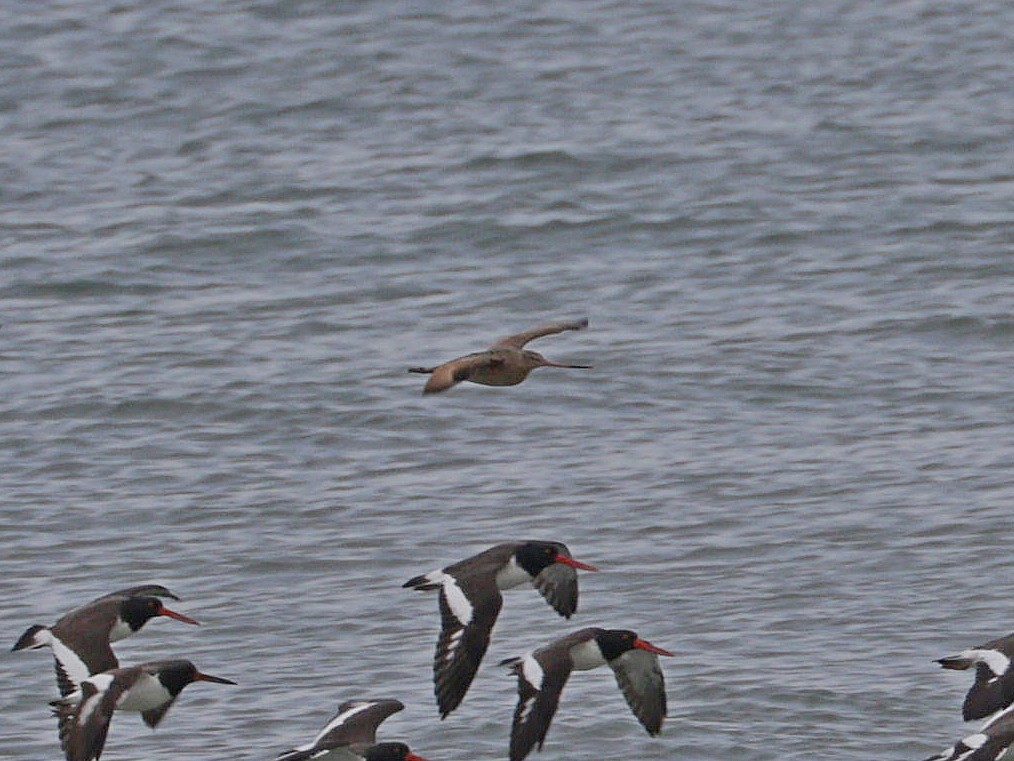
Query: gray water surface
(229, 227)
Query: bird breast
(511, 575)
(587, 655)
(508, 374)
(146, 693)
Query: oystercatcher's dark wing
(468, 611)
(643, 685)
(541, 678)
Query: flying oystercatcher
(80, 639)
(543, 673)
(990, 743)
(994, 677)
(351, 735)
(470, 602)
(150, 688)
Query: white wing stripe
(70, 662)
(997, 662)
(452, 644)
(337, 721)
(459, 604)
(532, 672)
(102, 682)
(975, 741)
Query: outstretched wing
(72, 669)
(144, 590)
(990, 693)
(558, 584)
(84, 726)
(355, 722)
(153, 716)
(460, 369)
(990, 743)
(518, 340)
(643, 685)
(541, 678)
(82, 645)
(467, 614)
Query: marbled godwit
(505, 363)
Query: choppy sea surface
(229, 227)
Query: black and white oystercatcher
(470, 602)
(505, 363)
(994, 677)
(543, 673)
(80, 639)
(990, 743)
(150, 688)
(351, 735)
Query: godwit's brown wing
(458, 370)
(518, 340)
(641, 681)
(355, 724)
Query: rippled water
(229, 227)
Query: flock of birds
(92, 684)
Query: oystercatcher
(990, 743)
(351, 734)
(470, 602)
(543, 673)
(150, 688)
(80, 639)
(994, 678)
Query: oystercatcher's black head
(391, 752)
(536, 556)
(615, 642)
(176, 675)
(137, 611)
